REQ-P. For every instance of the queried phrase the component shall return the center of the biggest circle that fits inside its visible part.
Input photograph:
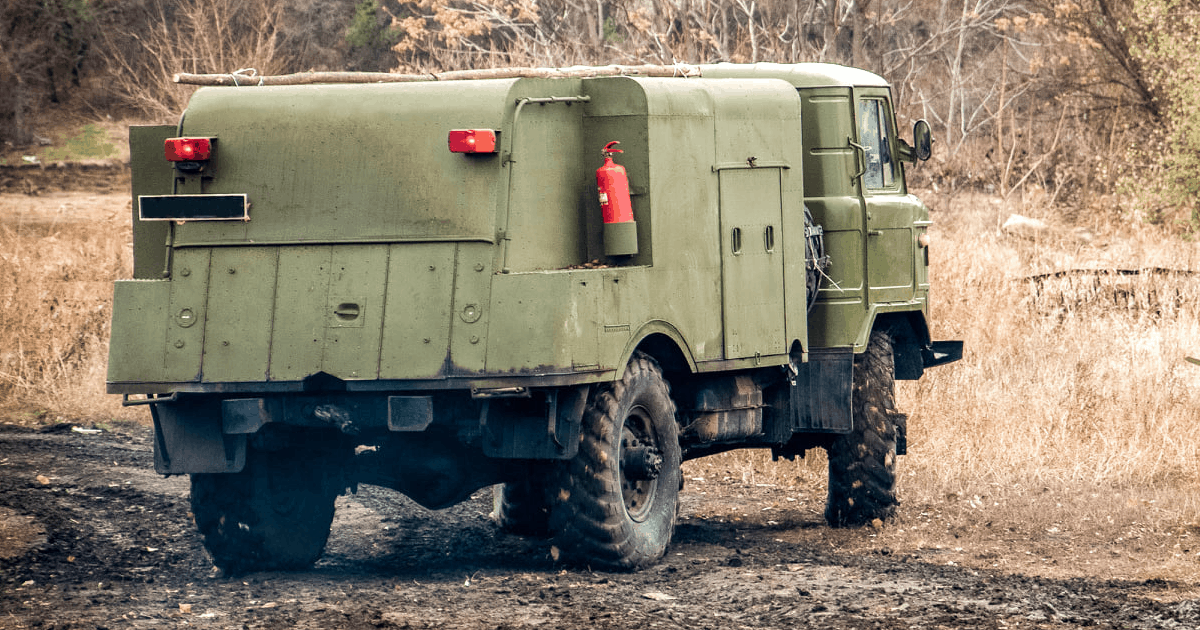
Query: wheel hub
(641, 463)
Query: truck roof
(801, 75)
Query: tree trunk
(20, 135)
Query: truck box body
(375, 255)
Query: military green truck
(416, 284)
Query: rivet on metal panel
(471, 313)
(474, 339)
(185, 318)
(478, 266)
(232, 271)
(178, 343)
(185, 272)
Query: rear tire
(521, 508)
(616, 500)
(273, 515)
(862, 463)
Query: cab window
(874, 132)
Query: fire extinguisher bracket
(620, 239)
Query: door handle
(860, 156)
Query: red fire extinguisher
(616, 208)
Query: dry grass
(59, 254)
(1065, 381)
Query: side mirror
(922, 140)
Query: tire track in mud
(117, 549)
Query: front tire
(274, 515)
(617, 499)
(862, 463)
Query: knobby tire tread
(591, 525)
(862, 463)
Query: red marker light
(472, 141)
(188, 149)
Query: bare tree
(211, 36)
(41, 50)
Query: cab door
(891, 214)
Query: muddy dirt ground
(90, 537)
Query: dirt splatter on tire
(616, 500)
(862, 463)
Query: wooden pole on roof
(248, 78)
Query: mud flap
(188, 439)
(821, 394)
(511, 432)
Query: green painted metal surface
(138, 332)
(752, 260)
(347, 163)
(151, 176)
(186, 318)
(416, 329)
(375, 255)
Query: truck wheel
(521, 508)
(617, 498)
(273, 515)
(862, 463)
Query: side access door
(752, 261)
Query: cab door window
(874, 132)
